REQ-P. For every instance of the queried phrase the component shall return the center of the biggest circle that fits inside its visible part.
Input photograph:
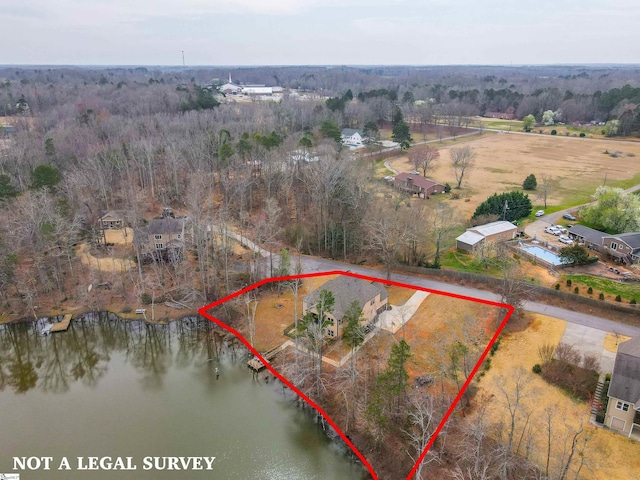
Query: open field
(577, 166)
(608, 455)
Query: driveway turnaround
(589, 340)
(392, 320)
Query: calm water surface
(113, 388)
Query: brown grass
(399, 295)
(608, 455)
(502, 162)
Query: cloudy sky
(294, 32)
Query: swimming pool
(542, 254)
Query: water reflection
(52, 363)
(119, 388)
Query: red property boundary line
(509, 308)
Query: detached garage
(489, 232)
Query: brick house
(416, 184)
(371, 296)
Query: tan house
(371, 296)
(110, 220)
(480, 235)
(624, 248)
(623, 409)
(162, 238)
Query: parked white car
(539, 213)
(565, 239)
(553, 230)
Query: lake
(109, 387)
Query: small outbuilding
(476, 236)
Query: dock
(256, 365)
(61, 326)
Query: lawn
(465, 262)
(627, 291)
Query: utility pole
(183, 58)
(504, 210)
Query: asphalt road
(312, 265)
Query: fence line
(537, 288)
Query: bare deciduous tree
(462, 160)
(424, 158)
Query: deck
(61, 326)
(256, 365)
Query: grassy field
(627, 291)
(502, 162)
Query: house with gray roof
(586, 236)
(624, 248)
(162, 238)
(371, 296)
(352, 137)
(623, 409)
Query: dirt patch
(503, 161)
(110, 264)
(122, 236)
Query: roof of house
(345, 290)
(632, 239)
(110, 214)
(347, 132)
(470, 238)
(589, 234)
(493, 228)
(165, 225)
(625, 381)
(418, 180)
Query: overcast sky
(311, 32)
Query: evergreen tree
(508, 206)
(530, 183)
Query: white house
(352, 137)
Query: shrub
(582, 134)
(632, 302)
(145, 298)
(557, 286)
(618, 299)
(589, 290)
(601, 296)
(568, 282)
(537, 368)
(576, 290)
(494, 347)
(447, 188)
(487, 363)
(530, 183)
(126, 309)
(554, 132)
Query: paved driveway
(589, 340)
